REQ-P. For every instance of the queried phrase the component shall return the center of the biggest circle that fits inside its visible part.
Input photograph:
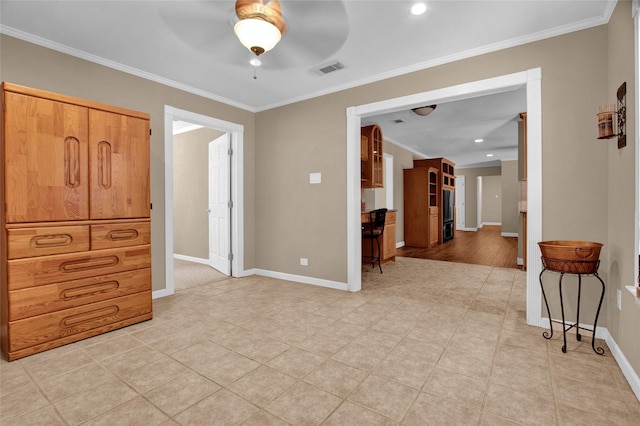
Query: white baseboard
(492, 223)
(603, 333)
(191, 259)
(509, 234)
(161, 293)
(298, 278)
(469, 229)
(628, 371)
(400, 244)
(519, 261)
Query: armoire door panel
(119, 166)
(46, 160)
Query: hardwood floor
(484, 247)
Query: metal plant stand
(572, 267)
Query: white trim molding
(191, 259)
(509, 234)
(531, 79)
(628, 371)
(237, 188)
(298, 278)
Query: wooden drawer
(120, 235)
(31, 242)
(36, 271)
(32, 301)
(45, 328)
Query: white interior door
(219, 210)
(460, 208)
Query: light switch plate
(315, 178)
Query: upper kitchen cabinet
(371, 162)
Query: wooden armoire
(75, 223)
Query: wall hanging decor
(612, 119)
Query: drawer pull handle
(122, 234)
(87, 317)
(104, 164)
(89, 290)
(48, 241)
(86, 264)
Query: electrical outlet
(619, 299)
(315, 178)
(304, 261)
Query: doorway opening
(531, 81)
(228, 224)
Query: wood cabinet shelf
(371, 157)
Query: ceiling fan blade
(316, 29)
(200, 25)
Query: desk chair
(373, 231)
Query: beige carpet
(190, 274)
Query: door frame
(531, 79)
(388, 180)
(461, 208)
(237, 188)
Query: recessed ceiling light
(255, 62)
(478, 140)
(418, 9)
(489, 155)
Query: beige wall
(34, 66)
(621, 197)
(510, 197)
(191, 192)
(471, 191)
(491, 199)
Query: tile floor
(427, 342)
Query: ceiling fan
(260, 26)
(311, 30)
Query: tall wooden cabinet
(421, 207)
(371, 154)
(75, 227)
(446, 192)
(429, 202)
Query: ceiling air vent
(327, 68)
(398, 121)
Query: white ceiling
(191, 45)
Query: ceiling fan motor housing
(267, 10)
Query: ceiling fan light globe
(257, 35)
(424, 110)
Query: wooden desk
(388, 242)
